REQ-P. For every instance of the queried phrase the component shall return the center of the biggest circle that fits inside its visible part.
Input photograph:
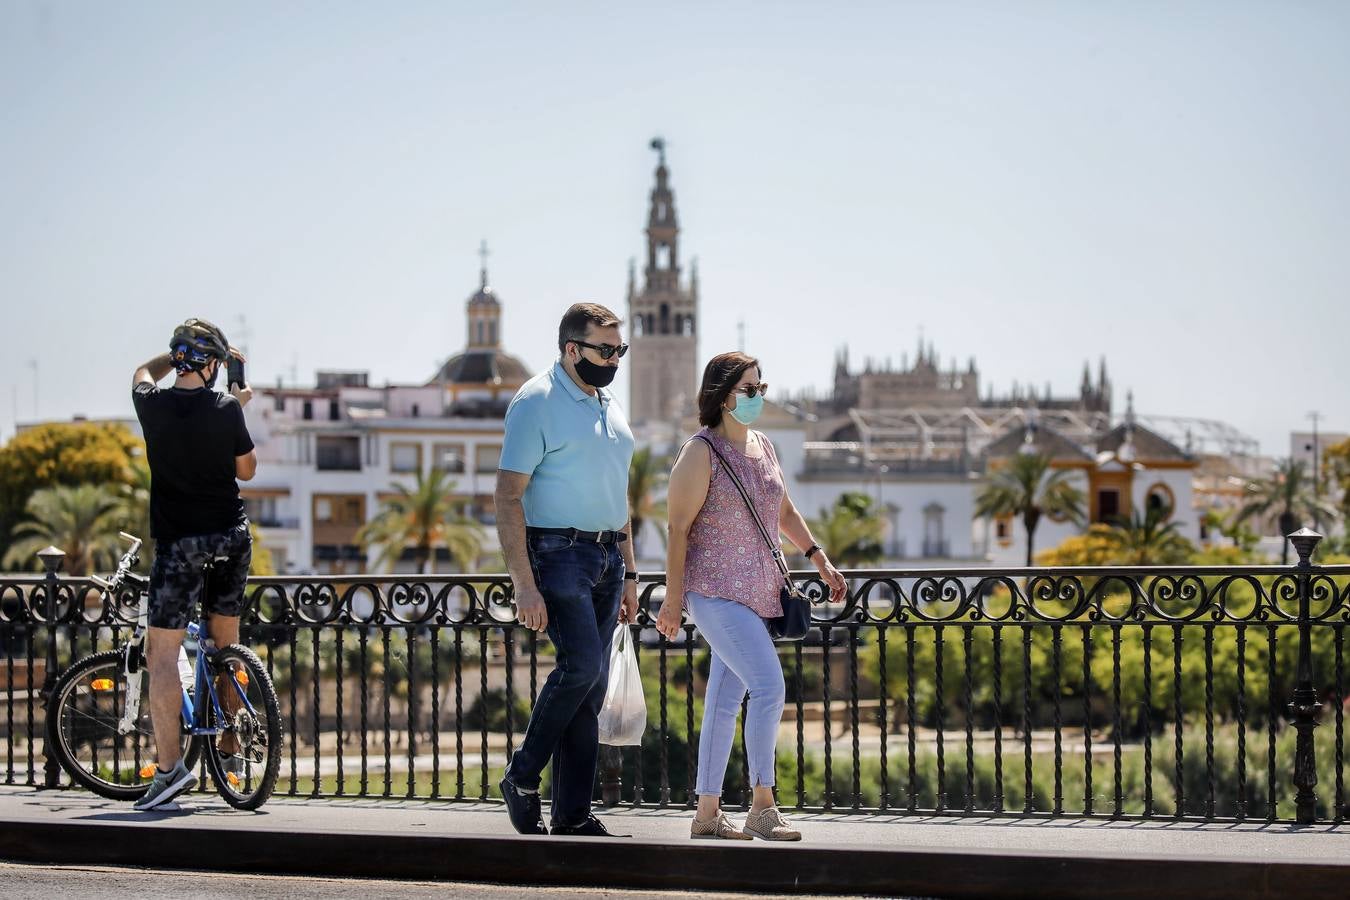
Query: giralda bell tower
(663, 316)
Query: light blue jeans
(743, 659)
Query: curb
(591, 862)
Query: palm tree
(647, 475)
(1289, 490)
(82, 520)
(424, 517)
(851, 529)
(1148, 539)
(1028, 488)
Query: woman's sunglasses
(605, 350)
(751, 390)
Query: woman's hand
(668, 621)
(831, 576)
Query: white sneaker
(166, 786)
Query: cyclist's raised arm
(245, 460)
(246, 466)
(152, 371)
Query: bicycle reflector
(241, 676)
(101, 684)
(148, 770)
(232, 778)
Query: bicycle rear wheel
(250, 729)
(82, 717)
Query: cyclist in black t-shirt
(197, 445)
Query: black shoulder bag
(796, 618)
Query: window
(337, 454)
(308, 412)
(262, 511)
(1108, 504)
(415, 410)
(334, 411)
(934, 541)
(484, 509)
(405, 457)
(1160, 500)
(448, 458)
(339, 509)
(486, 458)
(279, 403)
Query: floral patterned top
(727, 556)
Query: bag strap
(774, 549)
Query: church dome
(482, 366)
(484, 296)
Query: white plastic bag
(623, 717)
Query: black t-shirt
(191, 440)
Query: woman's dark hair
(719, 377)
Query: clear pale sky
(1031, 183)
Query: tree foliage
(82, 520)
(67, 454)
(1028, 488)
(423, 518)
(647, 476)
(850, 530)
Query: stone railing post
(1303, 709)
(52, 560)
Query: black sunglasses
(750, 390)
(605, 350)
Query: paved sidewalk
(886, 854)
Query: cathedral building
(663, 316)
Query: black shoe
(592, 827)
(523, 808)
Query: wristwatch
(630, 576)
(812, 550)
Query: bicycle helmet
(195, 343)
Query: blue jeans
(582, 585)
(744, 660)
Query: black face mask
(597, 376)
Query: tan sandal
(719, 828)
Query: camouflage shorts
(176, 577)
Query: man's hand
(530, 608)
(668, 622)
(243, 394)
(234, 351)
(628, 608)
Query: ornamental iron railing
(1190, 693)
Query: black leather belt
(584, 537)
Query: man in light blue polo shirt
(562, 516)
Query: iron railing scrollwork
(1104, 692)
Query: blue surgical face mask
(747, 409)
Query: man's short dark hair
(719, 378)
(581, 315)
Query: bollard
(52, 559)
(1304, 707)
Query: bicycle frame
(194, 708)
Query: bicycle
(98, 716)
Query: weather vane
(659, 145)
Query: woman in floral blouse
(720, 569)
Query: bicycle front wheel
(84, 711)
(245, 756)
